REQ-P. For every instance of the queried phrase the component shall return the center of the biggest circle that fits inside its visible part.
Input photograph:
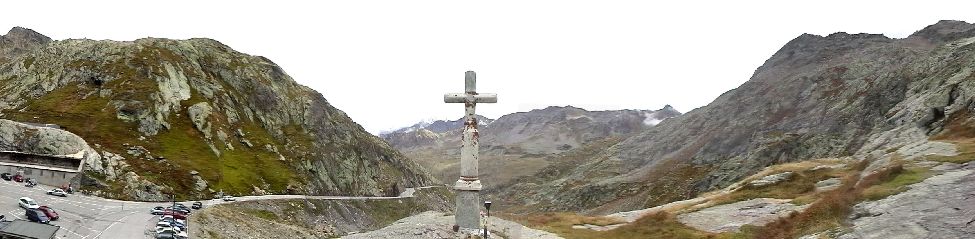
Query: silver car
(57, 192)
(27, 203)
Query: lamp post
(487, 205)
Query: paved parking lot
(82, 217)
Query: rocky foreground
(439, 225)
(942, 206)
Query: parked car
(179, 209)
(229, 198)
(57, 192)
(160, 230)
(181, 224)
(6, 176)
(166, 235)
(182, 235)
(197, 205)
(163, 224)
(170, 218)
(157, 211)
(18, 178)
(49, 212)
(37, 216)
(175, 214)
(27, 203)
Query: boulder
(938, 207)
(828, 184)
(730, 217)
(772, 179)
(199, 113)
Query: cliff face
(840, 95)
(194, 117)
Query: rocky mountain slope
(193, 117)
(861, 95)
(519, 144)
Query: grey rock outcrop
(432, 224)
(730, 217)
(199, 113)
(938, 207)
(141, 189)
(828, 184)
(772, 179)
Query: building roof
(27, 229)
(80, 155)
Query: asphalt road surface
(85, 217)
(82, 217)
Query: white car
(165, 218)
(229, 198)
(160, 230)
(27, 203)
(57, 192)
(164, 226)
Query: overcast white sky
(388, 63)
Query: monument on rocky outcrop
(468, 186)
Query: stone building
(53, 170)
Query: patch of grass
(801, 187)
(799, 184)
(832, 207)
(896, 182)
(234, 171)
(828, 212)
(28, 61)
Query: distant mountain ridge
(527, 140)
(439, 126)
(535, 122)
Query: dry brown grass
(800, 187)
(831, 209)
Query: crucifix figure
(468, 187)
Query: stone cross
(468, 186)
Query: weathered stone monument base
(468, 211)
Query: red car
(19, 178)
(49, 212)
(175, 214)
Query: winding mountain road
(87, 217)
